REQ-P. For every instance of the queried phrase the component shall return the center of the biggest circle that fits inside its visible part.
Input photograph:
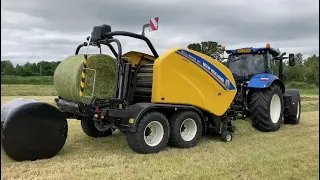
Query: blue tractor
(261, 94)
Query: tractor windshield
(246, 65)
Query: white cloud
(35, 30)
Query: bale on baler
(100, 77)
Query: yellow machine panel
(136, 57)
(184, 76)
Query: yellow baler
(170, 99)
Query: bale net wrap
(100, 77)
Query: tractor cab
(245, 63)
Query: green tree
(19, 71)
(299, 59)
(209, 48)
(312, 69)
(7, 68)
(31, 69)
(294, 73)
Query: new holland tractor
(174, 98)
(261, 95)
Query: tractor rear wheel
(266, 108)
(152, 134)
(185, 129)
(93, 129)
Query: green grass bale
(67, 77)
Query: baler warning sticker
(209, 68)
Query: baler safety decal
(83, 75)
(210, 69)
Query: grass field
(31, 80)
(16, 81)
(49, 90)
(290, 153)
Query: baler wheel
(152, 134)
(266, 109)
(185, 129)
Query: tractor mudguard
(291, 99)
(264, 81)
(139, 109)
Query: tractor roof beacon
(262, 95)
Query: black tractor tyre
(294, 119)
(90, 129)
(260, 107)
(193, 128)
(159, 125)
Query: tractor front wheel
(266, 108)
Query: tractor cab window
(246, 65)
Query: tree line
(306, 69)
(43, 68)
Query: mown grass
(28, 90)
(310, 106)
(309, 98)
(290, 153)
(31, 80)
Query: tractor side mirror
(291, 60)
(282, 54)
(280, 57)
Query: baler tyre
(266, 109)
(226, 136)
(185, 129)
(152, 134)
(90, 129)
(294, 119)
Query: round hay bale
(67, 77)
(32, 129)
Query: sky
(50, 30)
